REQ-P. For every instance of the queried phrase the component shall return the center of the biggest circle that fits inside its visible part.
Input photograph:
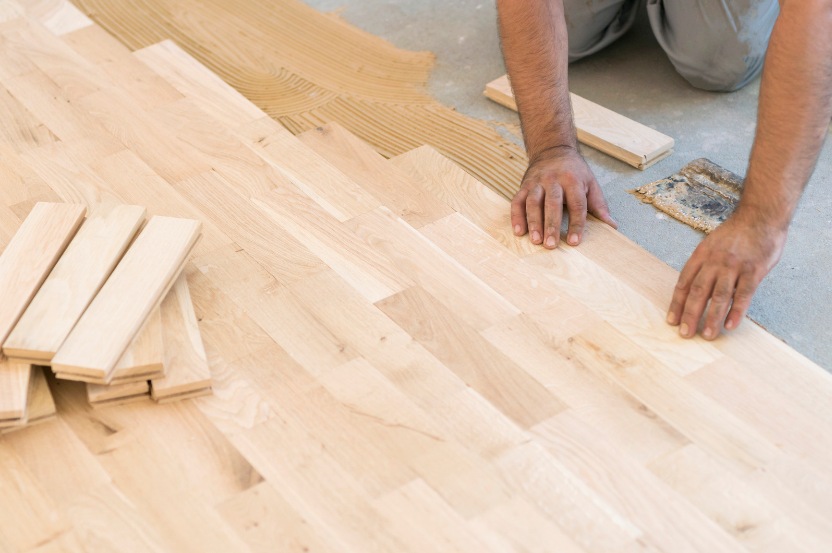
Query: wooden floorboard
(392, 369)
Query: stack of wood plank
(85, 296)
(393, 370)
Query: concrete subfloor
(634, 77)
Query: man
(715, 45)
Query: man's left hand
(726, 269)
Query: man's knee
(713, 44)
(591, 26)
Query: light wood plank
(31, 255)
(41, 405)
(266, 241)
(335, 244)
(198, 83)
(28, 516)
(566, 500)
(480, 204)
(14, 392)
(144, 275)
(622, 419)
(669, 522)
(108, 394)
(503, 271)
(446, 279)
(50, 105)
(21, 130)
(136, 183)
(59, 16)
(144, 358)
(170, 157)
(601, 128)
(512, 390)
(624, 309)
(76, 278)
(123, 69)
(268, 522)
(310, 172)
(186, 366)
(396, 190)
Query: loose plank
(102, 395)
(136, 287)
(144, 357)
(601, 128)
(31, 254)
(41, 405)
(78, 275)
(186, 364)
(14, 390)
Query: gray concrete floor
(634, 77)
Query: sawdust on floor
(306, 68)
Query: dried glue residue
(702, 194)
(306, 68)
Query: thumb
(597, 205)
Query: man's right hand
(555, 177)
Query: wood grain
(391, 368)
(76, 278)
(31, 254)
(144, 275)
(601, 128)
(186, 365)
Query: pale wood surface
(76, 278)
(384, 378)
(31, 254)
(133, 291)
(602, 128)
(186, 365)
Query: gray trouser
(714, 44)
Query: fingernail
(516, 229)
(573, 239)
(708, 333)
(550, 241)
(671, 318)
(729, 325)
(683, 330)
(535, 237)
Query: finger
(597, 205)
(746, 286)
(518, 211)
(700, 292)
(576, 206)
(553, 213)
(534, 213)
(720, 302)
(680, 293)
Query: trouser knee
(593, 25)
(715, 45)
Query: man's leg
(595, 24)
(714, 44)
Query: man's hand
(555, 177)
(726, 269)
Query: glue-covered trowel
(702, 194)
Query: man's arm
(794, 115)
(535, 47)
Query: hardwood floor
(392, 369)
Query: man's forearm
(536, 50)
(795, 111)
